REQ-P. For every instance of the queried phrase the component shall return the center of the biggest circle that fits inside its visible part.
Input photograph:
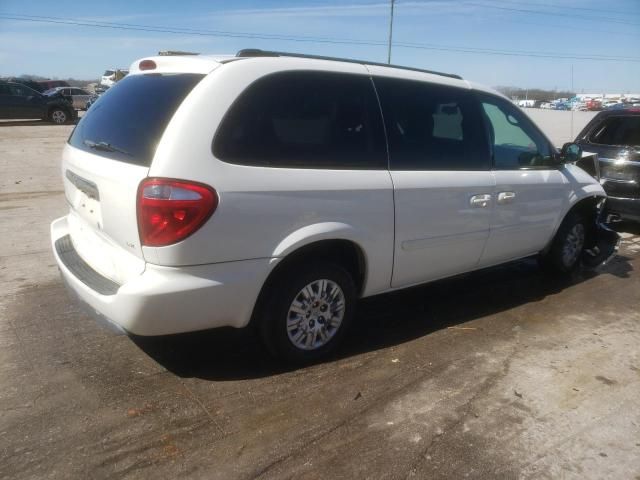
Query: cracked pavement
(505, 373)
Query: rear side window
(304, 120)
(618, 130)
(127, 121)
(19, 91)
(432, 127)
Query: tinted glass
(304, 120)
(618, 130)
(131, 116)
(432, 127)
(5, 90)
(516, 143)
(19, 91)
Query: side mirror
(570, 153)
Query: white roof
(182, 63)
(205, 64)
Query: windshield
(127, 121)
(618, 130)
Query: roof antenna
(390, 33)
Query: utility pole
(390, 32)
(572, 104)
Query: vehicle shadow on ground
(382, 321)
(32, 123)
(24, 123)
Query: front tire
(567, 247)
(307, 311)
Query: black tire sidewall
(273, 318)
(554, 257)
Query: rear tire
(307, 311)
(568, 245)
(59, 116)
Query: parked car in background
(617, 106)
(594, 104)
(615, 136)
(77, 96)
(99, 89)
(546, 105)
(276, 189)
(91, 101)
(18, 101)
(49, 84)
(110, 77)
(608, 103)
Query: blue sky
(571, 27)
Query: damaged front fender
(604, 245)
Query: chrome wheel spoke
(323, 334)
(293, 325)
(298, 308)
(298, 336)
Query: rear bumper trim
(81, 269)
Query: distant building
(607, 96)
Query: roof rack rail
(256, 52)
(171, 53)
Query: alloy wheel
(573, 245)
(59, 117)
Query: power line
(555, 14)
(297, 38)
(560, 7)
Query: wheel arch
(588, 206)
(349, 254)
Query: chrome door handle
(480, 201)
(506, 197)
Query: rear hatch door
(108, 155)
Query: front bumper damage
(605, 242)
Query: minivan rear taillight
(171, 210)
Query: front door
(27, 103)
(443, 186)
(530, 191)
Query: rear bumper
(165, 300)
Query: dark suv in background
(615, 136)
(18, 101)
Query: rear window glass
(618, 130)
(127, 121)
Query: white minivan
(274, 190)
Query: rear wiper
(104, 146)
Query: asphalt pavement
(504, 373)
